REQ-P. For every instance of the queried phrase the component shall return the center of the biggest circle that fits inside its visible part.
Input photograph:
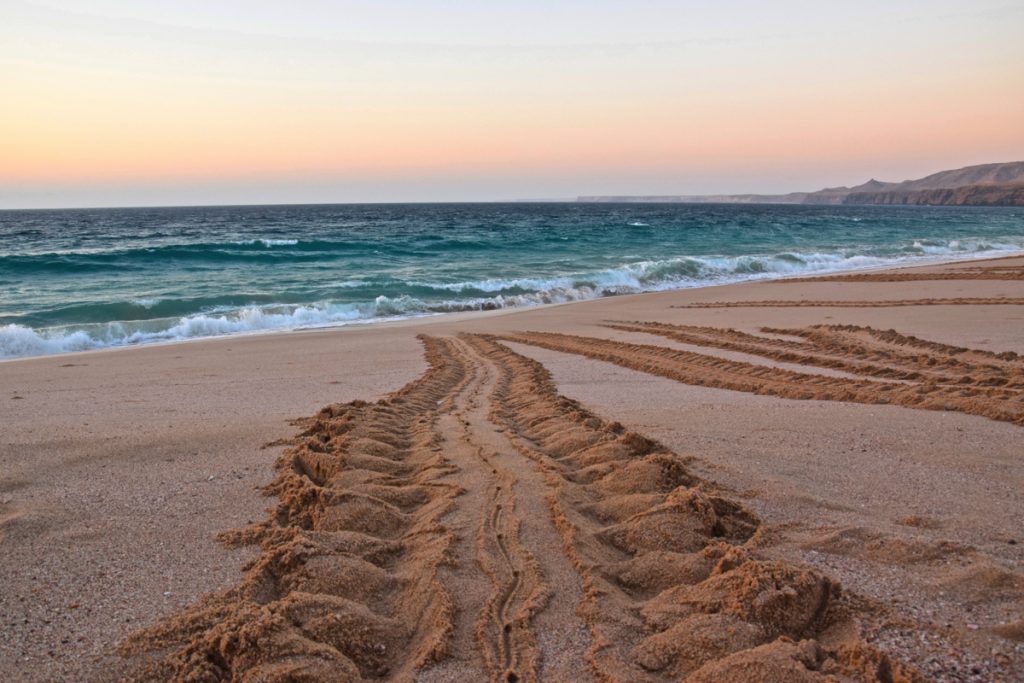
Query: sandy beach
(779, 480)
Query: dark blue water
(80, 279)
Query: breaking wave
(271, 242)
(429, 298)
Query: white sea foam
(17, 341)
(639, 276)
(499, 284)
(270, 242)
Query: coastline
(121, 464)
(922, 262)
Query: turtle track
(673, 586)
(974, 273)
(473, 524)
(345, 586)
(857, 350)
(778, 303)
(698, 369)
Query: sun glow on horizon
(127, 101)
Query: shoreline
(117, 471)
(921, 262)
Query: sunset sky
(115, 102)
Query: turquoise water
(80, 279)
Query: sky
(122, 103)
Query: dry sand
(821, 497)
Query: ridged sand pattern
(971, 273)
(857, 350)
(477, 525)
(930, 376)
(345, 587)
(672, 584)
(776, 303)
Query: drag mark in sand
(503, 633)
(673, 587)
(346, 585)
(968, 273)
(857, 350)
(775, 303)
(477, 525)
(992, 388)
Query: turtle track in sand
(673, 586)
(936, 376)
(972, 273)
(477, 525)
(857, 350)
(778, 303)
(346, 585)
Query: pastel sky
(119, 102)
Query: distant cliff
(971, 195)
(984, 185)
(792, 198)
(1011, 173)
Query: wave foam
(17, 341)
(640, 276)
(271, 242)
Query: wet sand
(485, 523)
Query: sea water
(82, 279)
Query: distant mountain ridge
(999, 184)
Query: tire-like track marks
(1005, 404)
(975, 273)
(503, 628)
(776, 303)
(575, 524)
(858, 350)
(673, 587)
(346, 586)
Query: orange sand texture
(478, 524)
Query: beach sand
(550, 495)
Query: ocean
(72, 280)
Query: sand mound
(877, 547)
(927, 375)
(986, 272)
(683, 563)
(345, 587)
(786, 661)
(889, 303)
(355, 577)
